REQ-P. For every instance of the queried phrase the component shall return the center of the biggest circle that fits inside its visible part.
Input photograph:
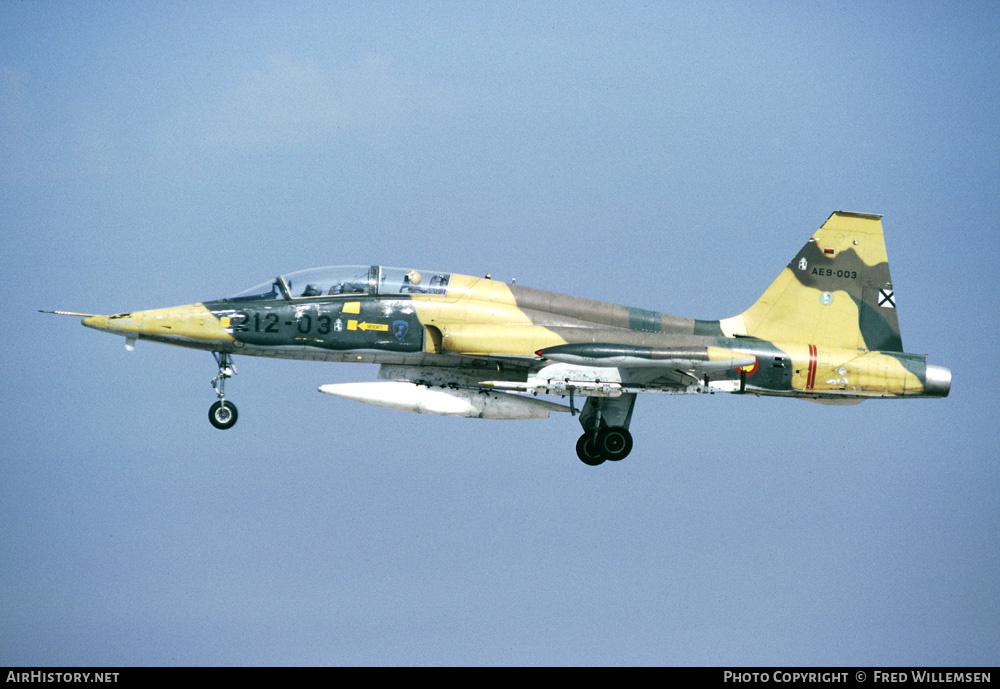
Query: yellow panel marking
(790, 312)
(225, 321)
(848, 227)
(481, 316)
(352, 324)
(352, 307)
(862, 373)
(521, 340)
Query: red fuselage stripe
(811, 377)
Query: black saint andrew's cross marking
(886, 299)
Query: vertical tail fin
(836, 292)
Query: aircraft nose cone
(937, 381)
(119, 324)
(190, 325)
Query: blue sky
(665, 156)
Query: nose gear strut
(222, 414)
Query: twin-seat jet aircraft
(826, 330)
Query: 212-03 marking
(304, 324)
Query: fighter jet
(826, 330)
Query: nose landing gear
(222, 414)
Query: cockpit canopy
(347, 281)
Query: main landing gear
(222, 414)
(605, 424)
(610, 443)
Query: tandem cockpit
(333, 281)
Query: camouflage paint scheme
(826, 330)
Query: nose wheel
(222, 414)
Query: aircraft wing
(587, 370)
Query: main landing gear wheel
(222, 414)
(615, 442)
(611, 444)
(586, 450)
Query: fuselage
(434, 319)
